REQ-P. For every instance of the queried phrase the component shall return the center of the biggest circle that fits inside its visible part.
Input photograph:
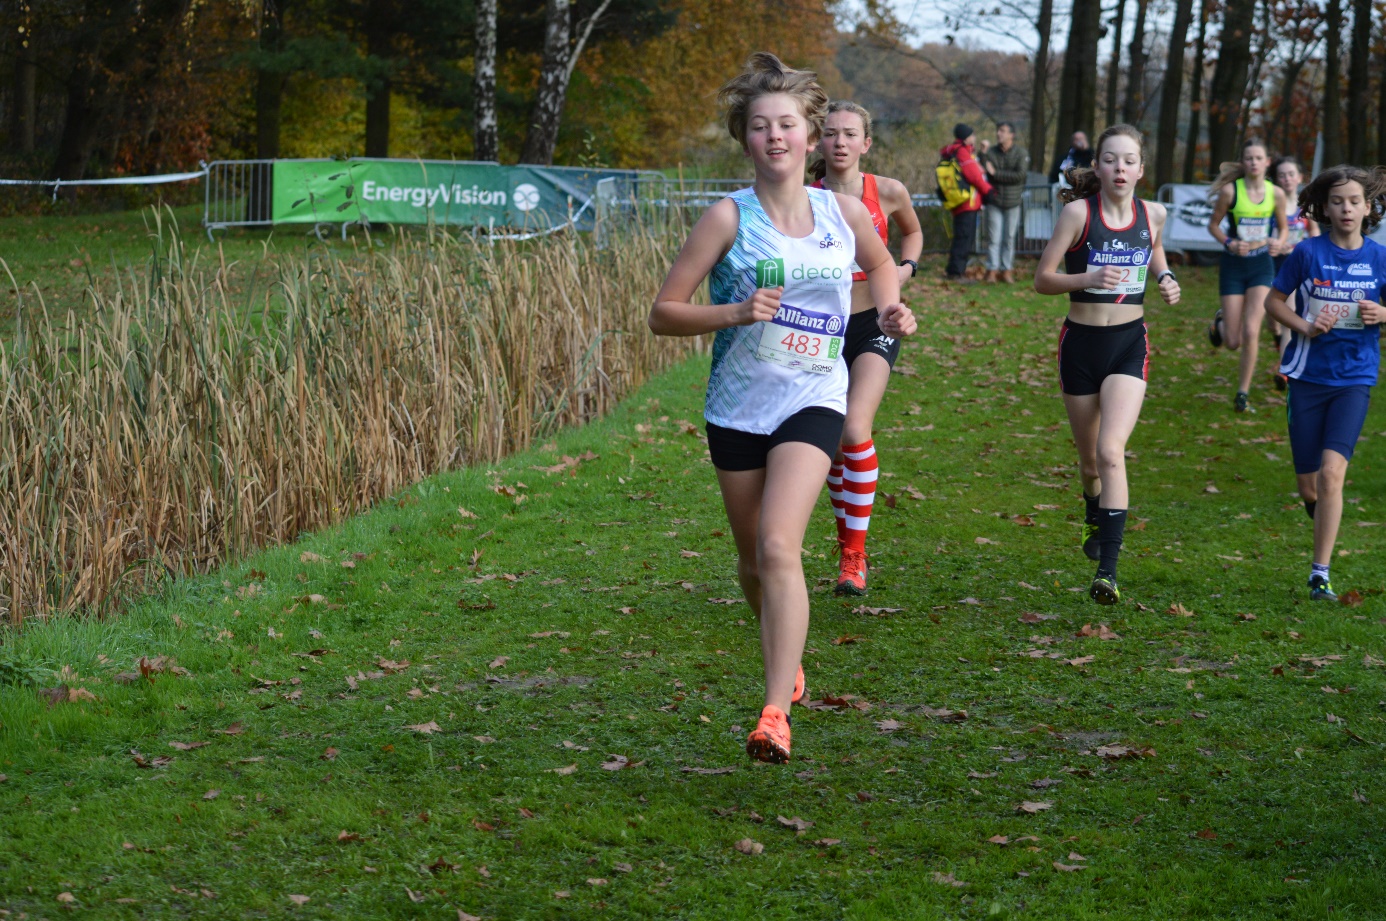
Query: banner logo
(769, 273)
(526, 197)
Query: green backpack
(953, 188)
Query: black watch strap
(914, 266)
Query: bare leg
(1232, 320)
(1253, 313)
(1083, 417)
(1329, 512)
(865, 390)
(1119, 407)
(769, 510)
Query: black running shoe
(1281, 382)
(1215, 329)
(1320, 589)
(1091, 548)
(1240, 403)
(1104, 590)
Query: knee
(775, 553)
(1110, 457)
(1231, 340)
(1331, 475)
(855, 432)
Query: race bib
(802, 339)
(1131, 263)
(1344, 312)
(1254, 230)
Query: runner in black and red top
(1108, 241)
(869, 354)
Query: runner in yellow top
(1254, 206)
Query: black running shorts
(864, 335)
(1088, 355)
(732, 449)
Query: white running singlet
(766, 372)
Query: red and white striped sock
(858, 493)
(835, 497)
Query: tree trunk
(1078, 86)
(1332, 102)
(1283, 114)
(1359, 95)
(379, 51)
(1196, 94)
(485, 138)
(25, 84)
(269, 82)
(1132, 111)
(1381, 111)
(84, 95)
(542, 137)
(1171, 89)
(1114, 68)
(1229, 80)
(1039, 85)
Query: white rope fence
(160, 179)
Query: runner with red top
(868, 352)
(778, 257)
(1108, 240)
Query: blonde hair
(1233, 170)
(1084, 179)
(820, 167)
(764, 75)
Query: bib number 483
(802, 344)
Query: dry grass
(173, 428)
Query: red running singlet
(871, 198)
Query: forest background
(102, 88)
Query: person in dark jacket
(1008, 166)
(965, 215)
(1079, 156)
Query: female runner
(1286, 173)
(1254, 204)
(1334, 353)
(868, 353)
(1107, 240)
(780, 258)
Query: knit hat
(962, 132)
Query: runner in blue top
(1286, 173)
(780, 258)
(1335, 343)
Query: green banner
(431, 191)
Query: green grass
(574, 625)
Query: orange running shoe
(852, 580)
(800, 687)
(769, 741)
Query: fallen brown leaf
(1179, 610)
(795, 823)
(344, 836)
(426, 728)
(1067, 868)
(211, 794)
(747, 846)
(999, 839)
(564, 770)
(187, 746)
(706, 771)
(1029, 808)
(595, 881)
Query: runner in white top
(779, 256)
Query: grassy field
(523, 691)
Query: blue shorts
(1323, 417)
(1238, 273)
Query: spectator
(1008, 166)
(1079, 155)
(965, 214)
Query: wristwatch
(1161, 277)
(914, 266)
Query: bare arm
(1277, 307)
(1220, 206)
(1159, 262)
(894, 318)
(1048, 278)
(1282, 223)
(901, 211)
(674, 313)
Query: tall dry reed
(182, 423)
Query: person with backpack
(961, 184)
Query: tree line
(121, 86)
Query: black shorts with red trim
(1088, 355)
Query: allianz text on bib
(1339, 303)
(1131, 263)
